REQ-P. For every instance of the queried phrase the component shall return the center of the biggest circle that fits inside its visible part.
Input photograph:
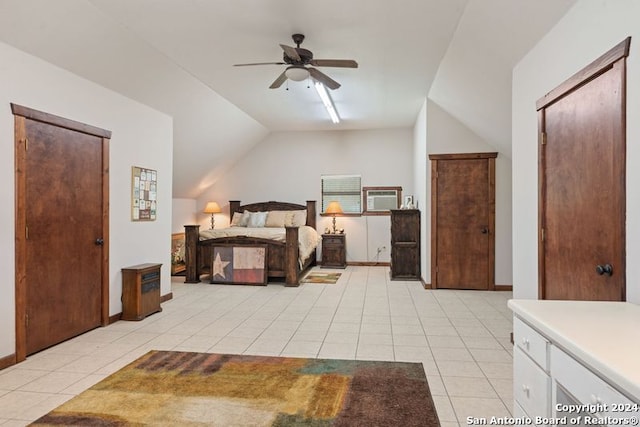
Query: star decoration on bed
(219, 265)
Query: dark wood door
(62, 255)
(463, 212)
(582, 169)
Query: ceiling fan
(299, 60)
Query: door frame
(22, 114)
(614, 59)
(491, 164)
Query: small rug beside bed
(318, 277)
(181, 388)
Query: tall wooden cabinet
(405, 244)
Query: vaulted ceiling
(177, 56)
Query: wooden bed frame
(282, 257)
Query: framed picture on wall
(144, 194)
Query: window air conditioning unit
(382, 200)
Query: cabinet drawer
(531, 385)
(334, 240)
(531, 343)
(587, 387)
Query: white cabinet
(531, 380)
(532, 343)
(583, 386)
(531, 385)
(570, 356)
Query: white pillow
(245, 219)
(276, 219)
(296, 218)
(257, 219)
(236, 219)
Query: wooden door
(582, 183)
(462, 221)
(60, 231)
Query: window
(379, 200)
(344, 189)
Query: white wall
(287, 166)
(446, 135)
(588, 30)
(141, 136)
(183, 213)
(422, 184)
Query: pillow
(296, 218)
(236, 219)
(257, 219)
(245, 219)
(276, 219)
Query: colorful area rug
(199, 389)
(317, 277)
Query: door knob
(99, 241)
(484, 230)
(604, 269)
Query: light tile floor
(461, 338)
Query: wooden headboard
(234, 206)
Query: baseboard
(118, 316)
(7, 361)
(499, 288)
(369, 264)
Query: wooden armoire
(405, 244)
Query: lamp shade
(334, 208)
(212, 207)
(296, 73)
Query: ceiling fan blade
(291, 52)
(345, 63)
(324, 79)
(259, 63)
(278, 82)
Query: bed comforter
(308, 237)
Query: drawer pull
(525, 343)
(526, 389)
(595, 400)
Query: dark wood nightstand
(334, 251)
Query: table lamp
(212, 208)
(333, 209)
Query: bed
(283, 245)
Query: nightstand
(334, 251)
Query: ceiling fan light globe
(297, 74)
